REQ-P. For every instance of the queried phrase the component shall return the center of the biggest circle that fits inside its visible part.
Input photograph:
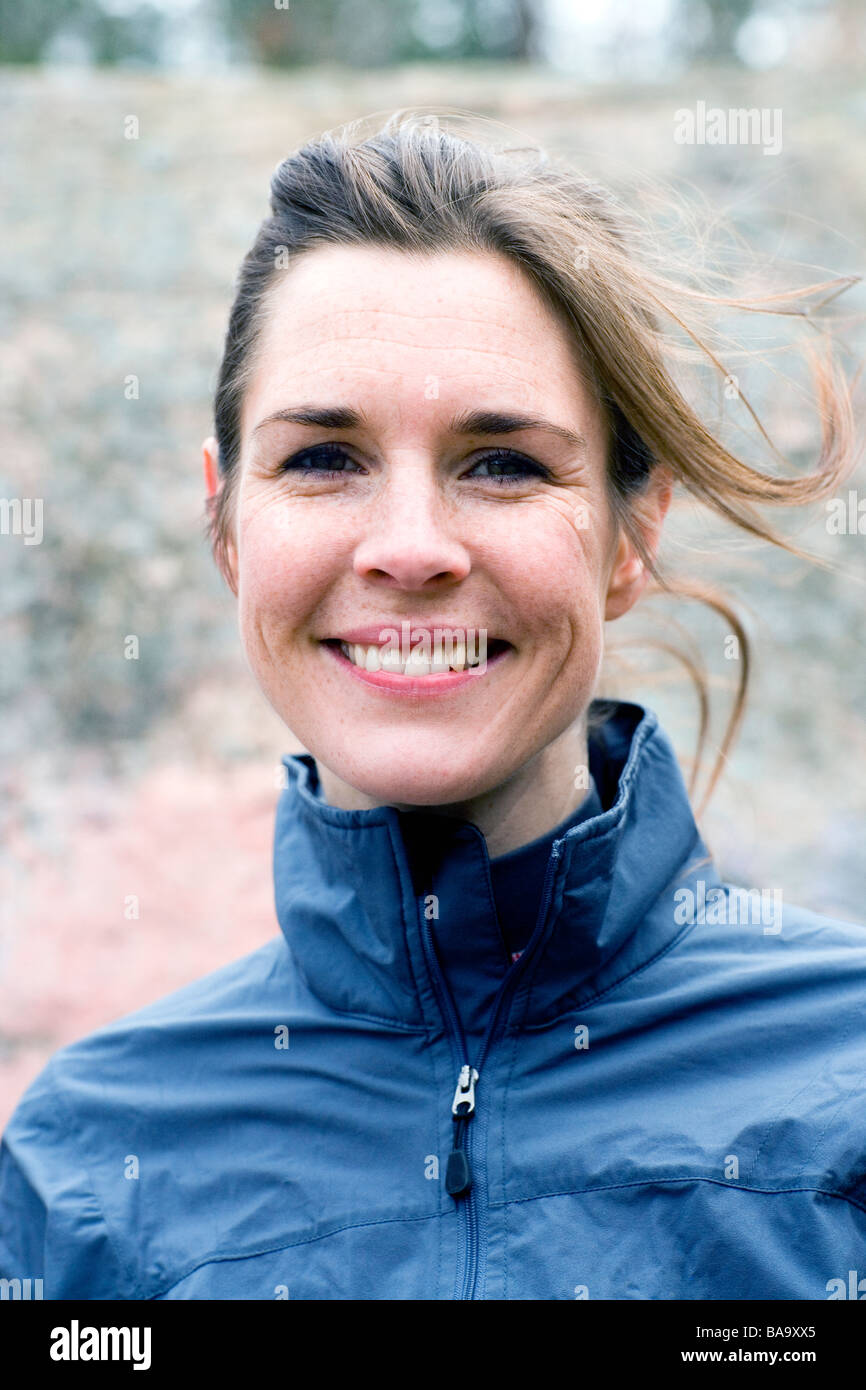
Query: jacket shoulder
(102, 1072)
(81, 1106)
(53, 1231)
(243, 984)
(795, 932)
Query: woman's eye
(504, 466)
(321, 458)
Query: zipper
(458, 1175)
(469, 1206)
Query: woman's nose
(409, 540)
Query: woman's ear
(629, 576)
(225, 553)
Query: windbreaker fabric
(671, 1101)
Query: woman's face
(412, 494)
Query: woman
(516, 1039)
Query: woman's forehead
(360, 320)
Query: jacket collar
(356, 891)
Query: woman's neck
(536, 799)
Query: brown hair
(415, 186)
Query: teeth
(416, 665)
(390, 661)
(372, 658)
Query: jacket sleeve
(51, 1224)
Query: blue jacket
(670, 1102)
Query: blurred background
(138, 786)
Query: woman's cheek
(550, 567)
(286, 561)
(569, 533)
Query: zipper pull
(458, 1174)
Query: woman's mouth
(445, 666)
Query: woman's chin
(419, 781)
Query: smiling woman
(516, 1039)
(479, 505)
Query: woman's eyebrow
(498, 422)
(486, 422)
(334, 417)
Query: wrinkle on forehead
(533, 347)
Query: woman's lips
(417, 680)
